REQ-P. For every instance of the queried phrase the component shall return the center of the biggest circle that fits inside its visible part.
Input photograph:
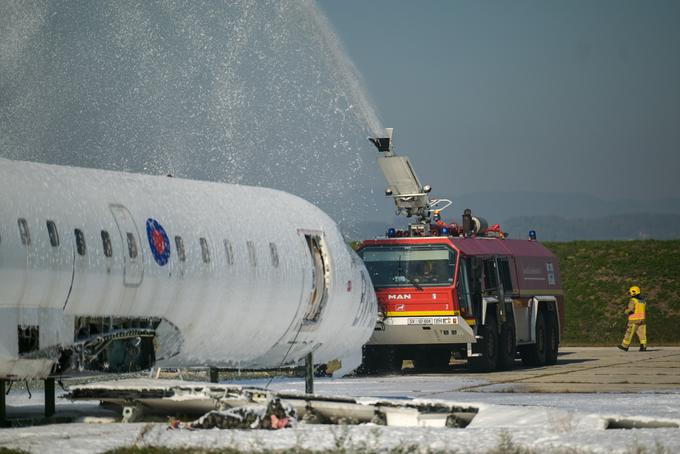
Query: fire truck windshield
(410, 265)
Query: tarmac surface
(590, 370)
(573, 406)
(578, 370)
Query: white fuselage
(262, 279)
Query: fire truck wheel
(507, 346)
(535, 354)
(552, 339)
(488, 346)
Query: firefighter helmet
(634, 290)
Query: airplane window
(275, 254)
(80, 241)
(24, 232)
(229, 251)
(132, 245)
(251, 253)
(179, 244)
(106, 243)
(54, 234)
(205, 252)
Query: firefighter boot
(643, 347)
(621, 347)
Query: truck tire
(552, 338)
(380, 360)
(507, 346)
(535, 354)
(488, 346)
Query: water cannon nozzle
(383, 144)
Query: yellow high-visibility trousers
(635, 328)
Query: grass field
(596, 276)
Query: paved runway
(567, 407)
(591, 369)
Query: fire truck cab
(476, 297)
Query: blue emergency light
(391, 232)
(532, 235)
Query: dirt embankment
(596, 276)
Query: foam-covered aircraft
(101, 269)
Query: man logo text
(398, 297)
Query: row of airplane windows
(133, 251)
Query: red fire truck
(464, 289)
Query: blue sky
(563, 96)
(547, 96)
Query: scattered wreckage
(228, 406)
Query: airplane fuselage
(219, 274)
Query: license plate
(432, 321)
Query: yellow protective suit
(637, 322)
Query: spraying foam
(242, 92)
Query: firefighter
(636, 311)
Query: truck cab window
(504, 272)
(410, 265)
(490, 277)
(463, 290)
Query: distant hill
(596, 276)
(613, 227)
(633, 226)
(556, 217)
(501, 206)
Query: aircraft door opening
(132, 246)
(320, 278)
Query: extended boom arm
(410, 197)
